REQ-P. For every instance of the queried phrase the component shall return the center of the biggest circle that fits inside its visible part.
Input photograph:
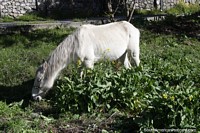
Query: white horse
(89, 43)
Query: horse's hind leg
(135, 54)
(127, 64)
(124, 59)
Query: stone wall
(15, 8)
(152, 4)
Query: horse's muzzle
(36, 97)
(37, 94)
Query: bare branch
(130, 8)
(118, 4)
(111, 10)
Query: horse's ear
(43, 61)
(44, 64)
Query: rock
(22, 11)
(27, 8)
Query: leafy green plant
(100, 88)
(182, 8)
(156, 95)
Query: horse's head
(39, 88)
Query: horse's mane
(61, 55)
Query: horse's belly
(111, 50)
(109, 54)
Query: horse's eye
(36, 87)
(39, 79)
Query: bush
(183, 8)
(159, 96)
(100, 89)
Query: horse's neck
(51, 76)
(59, 59)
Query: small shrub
(162, 97)
(182, 8)
(100, 89)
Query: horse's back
(107, 34)
(109, 40)
(111, 31)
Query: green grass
(178, 9)
(26, 18)
(162, 93)
(21, 50)
(148, 12)
(32, 17)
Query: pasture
(162, 93)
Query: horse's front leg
(81, 72)
(79, 65)
(88, 64)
